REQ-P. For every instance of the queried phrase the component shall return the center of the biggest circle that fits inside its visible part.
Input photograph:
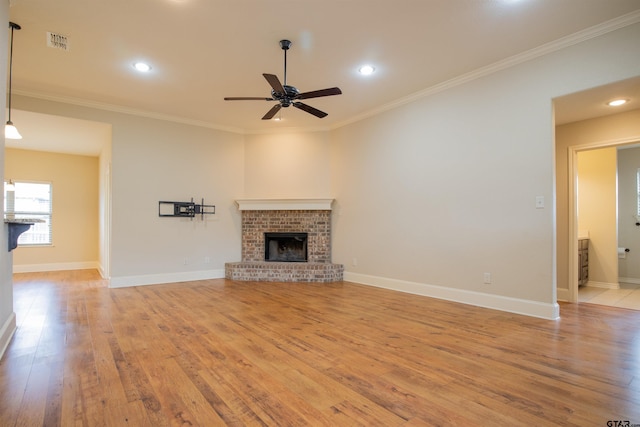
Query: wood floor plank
(218, 352)
(33, 403)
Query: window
(31, 200)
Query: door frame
(573, 204)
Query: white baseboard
(6, 333)
(59, 266)
(102, 272)
(157, 279)
(631, 280)
(603, 285)
(550, 311)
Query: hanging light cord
(13, 26)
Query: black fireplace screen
(285, 247)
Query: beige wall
(290, 165)
(74, 182)
(597, 207)
(603, 131)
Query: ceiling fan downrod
(285, 45)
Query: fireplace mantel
(284, 204)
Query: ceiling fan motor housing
(286, 98)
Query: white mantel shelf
(284, 204)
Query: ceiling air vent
(57, 41)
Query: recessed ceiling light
(142, 67)
(366, 70)
(617, 102)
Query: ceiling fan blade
(319, 93)
(274, 81)
(310, 110)
(247, 98)
(272, 112)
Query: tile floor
(628, 296)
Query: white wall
(628, 231)
(435, 193)
(104, 208)
(173, 162)
(7, 316)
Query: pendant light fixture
(10, 130)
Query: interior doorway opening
(75, 155)
(584, 121)
(577, 231)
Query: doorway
(76, 155)
(607, 203)
(584, 121)
(602, 200)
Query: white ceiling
(593, 102)
(204, 50)
(44, 132)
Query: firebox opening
(285, 247)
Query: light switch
(539, 202)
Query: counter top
(22, 220)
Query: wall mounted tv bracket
(185, 209)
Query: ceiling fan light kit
(287, 95)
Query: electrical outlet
(354, 261)
(487, 278)
(185, 261)
(207, 260)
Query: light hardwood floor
(218, 352)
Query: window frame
(47, 217)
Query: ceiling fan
(288, 95)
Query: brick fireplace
(308, 216)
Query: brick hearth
(284, 271)
(269, 216)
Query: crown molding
(165, 117)
(125, 110)
(545, 49)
